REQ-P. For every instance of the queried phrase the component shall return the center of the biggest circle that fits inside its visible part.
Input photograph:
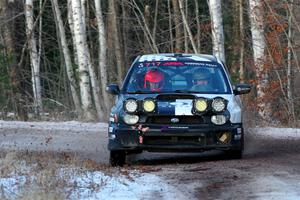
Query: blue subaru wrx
(176, 102)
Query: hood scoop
(173, 97)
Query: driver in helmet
(154, 80)
(201, 80)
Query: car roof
(177, 57)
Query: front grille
(182, 119)
(169, 140)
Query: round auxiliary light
(200, 104)
(148, 105)
(218, 119)
(131, 119)
(130, 105)
(218, 105)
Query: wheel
(117, 158)
(236, 153)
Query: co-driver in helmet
(202, 80)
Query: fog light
(148, 105)
(218, 119)
(218, 104)
(131, 119)
(130, 105)
(224, 137)
(200, 104)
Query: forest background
(56, 57)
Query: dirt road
(269, 170)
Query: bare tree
(290, 66)
(11, 38)
(83, 60)
(215, 9)
(178, 26)
(32, 47)
(102, 53)
(147, 15)
(143, 24)
(259, 57)
(115, 33)
(242, 44)
(186, 25)
(170, 27)
(155, 21)
(198, 36)
(67, 56)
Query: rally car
(176, 102)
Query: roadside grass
(47, 175)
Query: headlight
(218, 105)
(131, 119)
(218, 119)
(200, 104)
(148, 105)
(130, 105)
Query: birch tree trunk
(40, 34)
(186, 25)
(92, 72)
(83, 60)
(215, 9)
(67, 57)
(35, 68)
(71, 25)
(259, 47)
(102, 53)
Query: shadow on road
(175, 158)
(255, 147)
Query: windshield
(185, 77)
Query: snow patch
(84, 184)
(271, 187)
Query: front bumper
(174, 138)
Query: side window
(220, 83)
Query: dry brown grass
(44, 174)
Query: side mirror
(113, 89)
(241, 88)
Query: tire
(236, 153)
(117, 158)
